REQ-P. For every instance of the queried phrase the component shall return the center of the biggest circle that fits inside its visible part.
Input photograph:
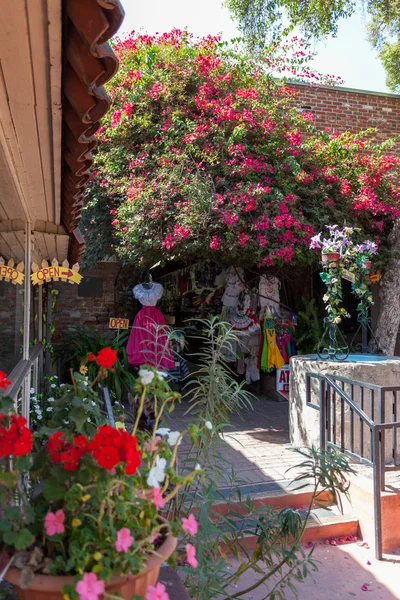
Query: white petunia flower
(55, 377)
(49, 408)
(146, 376)
(53, 385)
(173, 437)
(163, 431)
(32, 390)
(51, 399)
(209, 425)
(162, 375)
(197, 467)
(62, 384)
(93, 403)
(157, 473)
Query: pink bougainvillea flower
(364, 588)
(157, 498)
(369, 563)
(310, 545)
(190, 525)
(191, 556)
(89, 588)
(152, 445)
(54, 523)
(157, 592)
(124, 540)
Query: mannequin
(148, 342)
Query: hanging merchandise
(277, 345)
(268, 290)
(148, 342)
(234, 285)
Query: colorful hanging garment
(271, 357)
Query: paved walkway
(257, 445)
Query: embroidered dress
(148, 342)
(234, 286)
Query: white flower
(89, 420)
(53, 385)
(197, 467)
(173, 438)
(32, 390)
(84, 383)
(55, 377)
(146, 376)
(83, 399)
(93, 403)
(39, 417)
(61, 385)
(49, 408)
(163, 431)
(51, 399)
(162, 375)
(157, 473)
(209, 425)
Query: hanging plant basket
(330, 257)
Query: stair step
(276, 499)
(323, 524)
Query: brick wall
(352, 110)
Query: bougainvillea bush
(205, 154)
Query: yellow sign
(375, 277)
(48, 273)
(11, 274)
(116, 323)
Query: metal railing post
(322, 421)
(377, 458)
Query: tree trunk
(387, 325)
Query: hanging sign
(116, 323)
(282, 381)
(375, 277)
(49, 273)
(10, 274)
(348, 276)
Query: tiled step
(323, 524)
(272, 496)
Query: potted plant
(334, 246)
(80, 513)
(364, 253)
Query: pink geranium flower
(190, 525)
(191, 556)
(124, 540)
(89, 588)
(157, 498)
(152, 445)
(54, 523)
(157, 592)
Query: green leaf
(5, 525)
(52, 490)
(24, 539)
(13, 513)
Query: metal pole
(377, 493)
(26, 396)
(322, 423)
(364, 342)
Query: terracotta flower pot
(367, 264)
(47, 587)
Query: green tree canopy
(261, 20)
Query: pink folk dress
(148, 342)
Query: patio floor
(255, 443)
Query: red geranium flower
(91, 357)
(107, 357)
(16, 439)
(4, 382)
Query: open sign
(116, 323)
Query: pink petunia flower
(54, 523)
(191, 556)
(124, 540)
(89, 587)
(190, 525)
(157, 498)
(157, 592)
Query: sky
(349, 55)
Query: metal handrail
(328, 389)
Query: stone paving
(256, 444)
